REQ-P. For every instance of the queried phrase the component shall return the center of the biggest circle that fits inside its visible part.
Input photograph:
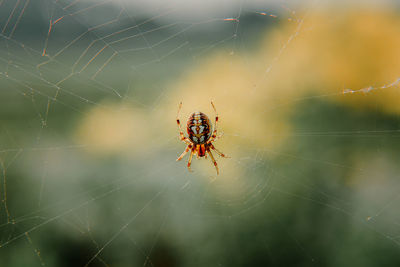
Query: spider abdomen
(199, 128)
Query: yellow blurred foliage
(255, 93)
(112, 128)
(350, 51)
(318, 58)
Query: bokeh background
(308, 98)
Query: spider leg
(216, 137)
(197, 151)
(218, 152)
(190, 159)
(213, 160)
(188, 147)
(214, 134)
(182, 136)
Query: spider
(200, 137)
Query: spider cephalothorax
(200, 137)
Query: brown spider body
(201, 136)
(199, 128)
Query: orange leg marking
(197, 150)
(214, 134)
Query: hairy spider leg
(209, 142)
(218, 152)
(183, 138)
(213, 160)
(188, 147)
(214, 134)
(190, 159)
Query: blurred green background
(308, 99)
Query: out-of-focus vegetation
(313, 174)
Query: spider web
(89, 95)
